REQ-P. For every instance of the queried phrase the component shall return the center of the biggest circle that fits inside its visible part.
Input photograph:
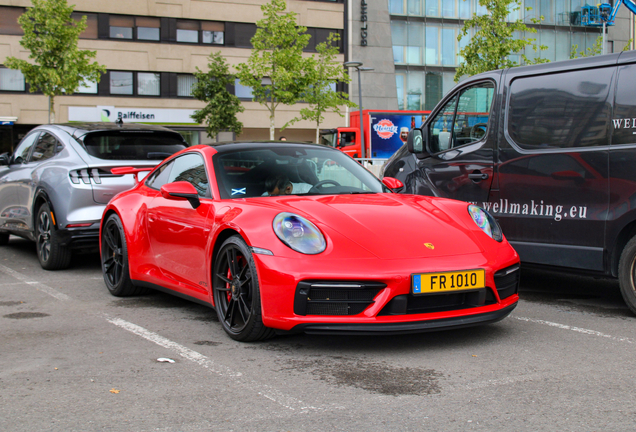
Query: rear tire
(236, 292)
(627, 274)
(4, 239)
(52, 255)
(114, 259)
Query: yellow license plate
(426, 283)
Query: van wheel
(627, 274)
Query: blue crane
(604, 14)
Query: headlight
(486, 222)
(299, 234)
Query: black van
(550, 151)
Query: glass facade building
(426, 50)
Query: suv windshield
(133, 145)
(293, 169)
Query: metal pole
(603, 50)
(364, 148)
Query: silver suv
(54, 188)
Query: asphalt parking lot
(74, 358)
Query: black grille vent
(334, 298)
(507, 281)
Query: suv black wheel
(4, 239)
(52, 255)
(236, 292)
(115, 260)
(627, 274)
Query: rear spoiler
(130, 170)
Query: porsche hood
(388, 226)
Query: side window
(22, 151)
(190, 168)
(624, 120)
(44, 149)
(441, 126)
(464, 119)
(561, 110)
(160, 176)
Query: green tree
(275, 70)
(220, 112)
(56, 66)
(595, 49)
(323, 74)
(494, 40)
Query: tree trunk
(271, 126)
(317, 132)
(51, 109)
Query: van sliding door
(553, 172)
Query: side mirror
(4, 159)
(415, 141)
(392, 183)
(181, 191)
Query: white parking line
(37, 285)
(576, 329)
(198, 358)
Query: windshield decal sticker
(241, 191)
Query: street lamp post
(359, 68)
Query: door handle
(477, 176)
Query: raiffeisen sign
(130, 115)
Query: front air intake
(335, 298)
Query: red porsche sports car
(301, 238)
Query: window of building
(212, 32)
(148, 84)
(567, 110)
(206, 32)
(121, 27)
(87, 87)
(147, 28)
(184, 85)
(90, 32)
(241, 91)
(187, 31)
(121, 83)
(396, 7)
(9, 20)
(11, 80)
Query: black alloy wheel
(627, 274)
(236, 292)
(51, 254)
(115, 260)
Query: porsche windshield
(291, 170)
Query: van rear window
(562, 110)
(133, 145)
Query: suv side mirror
(181, 191)
(4, 159)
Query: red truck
(385, 131)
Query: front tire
(236, 292)
(627, 274)
(52, 255)
(114, 258)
